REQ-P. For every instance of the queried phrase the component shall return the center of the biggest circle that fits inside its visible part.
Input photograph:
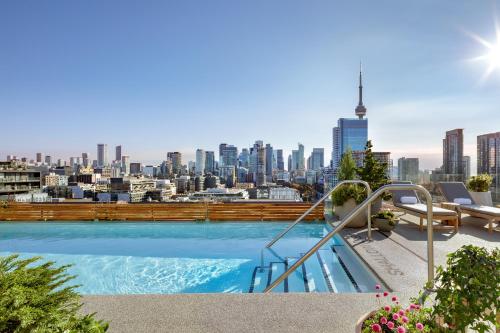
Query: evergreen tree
(347, 168)
(373, 171)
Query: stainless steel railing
(326, 196)
(364, 205)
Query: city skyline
(154, 92)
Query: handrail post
(365, 204)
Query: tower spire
(360, 109)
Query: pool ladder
(365, 205)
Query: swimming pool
(184, 257)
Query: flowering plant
(393, 317)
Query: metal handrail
(323, 198)
(353, 213)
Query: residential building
(38, 157)
(408, 169)
(260, 175)
(269, 162)
(488, 160)
(17, 178)
(85, 160)
(135, 168)
(453, 152)
(53, 179)
(466, 166)
(48, 160)
(125, 165)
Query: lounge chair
(457, 192)
(409, 202)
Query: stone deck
(399, 258)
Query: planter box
(359, 221)
(482, 198)
(383, 225)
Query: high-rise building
(229, 155)
(102, 154)
(466, 166)
(200, 162)
(221, 150)
(176, 159)
(245, 158)
(261, 166)
(48, 160)
(135, 168)
(280, 163)
(269, 162)
(209, 162)
(85, 160)
(118, 153)
(350, 133)
(488, 160)
(38, 157)
(453, 152)
(317, 159)
(408, 169)
(301, 164)
(125, 164)
(290, 163)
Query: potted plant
(347, 197)
(465, 298)
(374, 173)
(385, 220)
(479, 189)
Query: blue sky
(158, 76)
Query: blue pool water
(165, 258)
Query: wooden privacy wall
(194, 211)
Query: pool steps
(330, 270)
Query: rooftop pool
(188, 257)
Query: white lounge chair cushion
(409, 200)
(486, 210)
(462, 201)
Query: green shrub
(386, 215)
(348, 191)
(468, 289)
(480, 183)
(34, 299)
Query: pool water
(184, 257)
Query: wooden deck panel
(158, 211)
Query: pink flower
(419, 326)
(376, 328)
(377, 286)
(383, 320)
(386, 293)
(401, 329)
(394, 298)
(413, 306)
(390, 325)
(401, 312)
(387, 308)
(405, 319)
(395, 316)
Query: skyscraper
(118, 153)
(279, 160)
(245, 158)
(48, 160)
(222, 146)
(408, 169)
(466, 166)
(269, 162)
(102, 155)
(453, 152)
(261, 166)
(125, 167)
(200, 162)
(209, 162)
(38, 157)
(301, 163)
(317, 159)
(85, 160)
(350, 133)
(488, 160)
(290, 163)
(176, 159)
(229, 155)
